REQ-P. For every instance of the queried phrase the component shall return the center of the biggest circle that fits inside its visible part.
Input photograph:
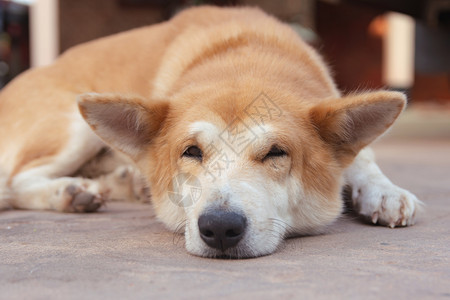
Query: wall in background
(84, 20)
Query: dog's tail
(5, 192)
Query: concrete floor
(122, 252)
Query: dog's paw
(82, 197)
(384, 203)
(126, 183)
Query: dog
(234, 122)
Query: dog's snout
(221, 229)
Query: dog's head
(239, 172)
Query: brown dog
(232, 119)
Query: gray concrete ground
(123, 252)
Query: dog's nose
(221, 229)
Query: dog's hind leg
(375, 197)
(118, 175)
(126, 183)
(45, 184)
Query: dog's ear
(127, 124)
(351, 123)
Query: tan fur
(146, 91)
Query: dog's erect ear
(351, 123)
(127, 124)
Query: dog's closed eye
(275, 151)
(193, 152)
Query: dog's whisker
(177, 233)
(287, 228)
(180, 227)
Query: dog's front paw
(385, 203)
(81, 198)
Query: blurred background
(369, 44)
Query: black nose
(221, 229)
